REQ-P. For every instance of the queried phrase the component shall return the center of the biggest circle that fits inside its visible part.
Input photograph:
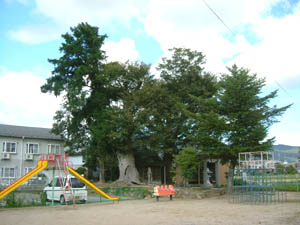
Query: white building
(21, 147)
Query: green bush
(188, 162)
(43, 197)
(291, 170)
(12, 202)
(81, 170)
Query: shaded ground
(209, 211)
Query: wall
(17, 160)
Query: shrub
(81, 170)
(291, 170)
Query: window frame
(4, 147)
(56, 151)
(28, 169)
(28, 148)
(3, 172)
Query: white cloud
(36, 34)
(175, 23)
(68, 13)
(22, 102)
(276, 56)
(191, 24)
(122, 51)
(72, 12)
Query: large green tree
(78, 77)
(241, 117)
(182, 78)
(98, 113)
(123, 139)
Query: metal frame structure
(256, 180)
(256, 160)
(258, 186)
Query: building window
(7, 172)
(9, 147)
(32, 148)
(28, 169)
(54, 148)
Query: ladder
(66, 182)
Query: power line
(283, 89)
(222, 21)
(292, 98)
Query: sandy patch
(210, 211)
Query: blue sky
(263, 37)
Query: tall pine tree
(247, 114)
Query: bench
(167, 190)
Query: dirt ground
(210, 211)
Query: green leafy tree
(188, 160)
(124, 136)
(166, 100)
(98, 114)
(78, 77)
(206, 131)
(247, 114)
(291, 170)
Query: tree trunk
(230, 177)
(101, 171)
(128, 172)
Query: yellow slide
(42, 164)
(89, 184)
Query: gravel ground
(210, 211)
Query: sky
(261, 35)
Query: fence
(26, 198)
(34, 181)
(260, 186)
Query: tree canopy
(238, 118)
(116, 111)
(99, 113)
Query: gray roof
(27, 132)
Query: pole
(53, 183)
(297, 181)
(199, 176)
(165, 175)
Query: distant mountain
(286, 152)
(285, 147)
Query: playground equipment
(91, 185)
(258, 186)
(257, 180)
(79, 191)
(256, 160)
(163, 191)
(58, 162)
(42, 164)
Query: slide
(89, 184)
(42, 164)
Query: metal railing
(26, 198)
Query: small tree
(188, 161)
(82, 170)
(291, 170)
